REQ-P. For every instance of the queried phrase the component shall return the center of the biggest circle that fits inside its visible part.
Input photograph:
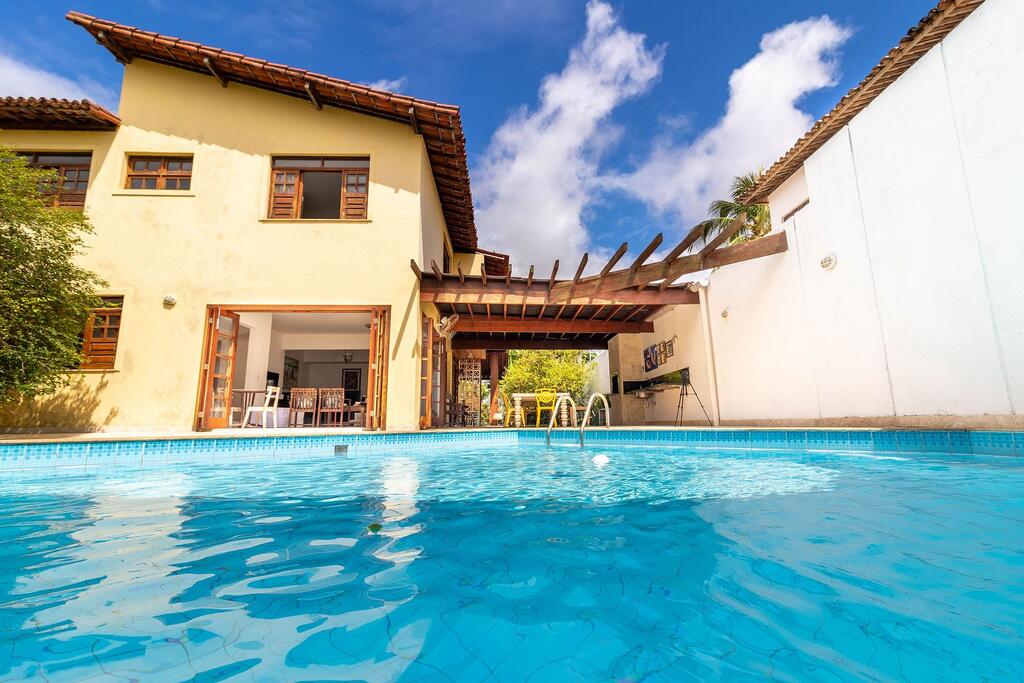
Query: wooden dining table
(564, 413)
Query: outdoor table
(563, 410)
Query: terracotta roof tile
(55, 114)
(439, 124)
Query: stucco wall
(919, 198)
(214, 244)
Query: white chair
(270, 400)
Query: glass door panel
(220, 368)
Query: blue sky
(588, 124)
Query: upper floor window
(102, 329)
(159, 173)
(72, 168)
(319, 187)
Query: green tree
(758, 221)
(44, 295)
(568, 371)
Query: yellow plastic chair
(509, 410)
(545, 401)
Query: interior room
(319, 361)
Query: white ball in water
(600, 460)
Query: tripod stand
(684, 391)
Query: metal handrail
(554, 415)
(586, 414)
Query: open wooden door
(377, 379)
(219, 368)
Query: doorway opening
(294, 367)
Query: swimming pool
(501, 559)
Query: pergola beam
(460, 342)
(474, 293)
(683, 265)
(552, 326)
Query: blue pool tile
(959, 442)
(837, 440)
(935, 442)
(910, 442)
(860, 441)
(796, 439)
(993, 443)
(817, 441)
(885, 442)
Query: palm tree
(724, 211)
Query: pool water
(516, 563)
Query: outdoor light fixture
(725, 312)
(170, 300)
(829, 262)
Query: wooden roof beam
(725, 234)
(648, 250)
(416, 269)
(611, 263)
(554, 272)
(462, 277)
(483, 276)
(208, 63)
(413, 121)
(492, 344)
(437, 271)
(464, 325)
(529, 277)
(430, 292)
(693, 263)
(103, 39)
(314, 96)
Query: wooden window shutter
(284, 195)
(99, 339)
(353, 203)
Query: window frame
(353, 206)
(60, 197)
(99, 352)
(161, 174)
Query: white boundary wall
(921, 200)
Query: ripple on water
(508, 562)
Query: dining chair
(270, 401)
(509, 409)
(331, 409)
(546, 399)
(300, 402)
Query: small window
(72, 168)
(159, 173)
(319, 187)
(102, 329)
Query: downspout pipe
(709, 348)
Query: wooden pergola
(505, 312)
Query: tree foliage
(758, 221)
(568, 371)
(44, 294)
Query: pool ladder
(586, 414)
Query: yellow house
(261, 225)
(255, 223)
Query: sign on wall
(658, 354)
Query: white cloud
(537, 176)
(389, 84)
(21, 79)
(760, 123)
